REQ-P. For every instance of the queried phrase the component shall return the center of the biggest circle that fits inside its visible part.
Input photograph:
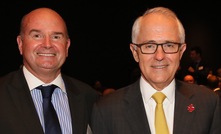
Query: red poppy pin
(190, 108)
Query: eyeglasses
(151, 48)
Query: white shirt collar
(34, 82)
(147, 90)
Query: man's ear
(182, 50)
(19, 42)
(133, 49)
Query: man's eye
(57, 37)
(37, 36)
(150, 46)
(169, 45)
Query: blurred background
(100, 34)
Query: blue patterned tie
(52, 125)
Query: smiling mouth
(160, 67)
(46, 54)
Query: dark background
(100, 34)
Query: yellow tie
(160, 120)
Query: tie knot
(159, 97)
(47, 90)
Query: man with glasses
(158, 43)
(151, 47)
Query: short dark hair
(197, 49)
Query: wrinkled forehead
(44, 19)
(156, 20)
(158, 27)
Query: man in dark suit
(43, 42)
(158, 43)
(198, 67)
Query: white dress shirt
(59, 100)
(147, 91)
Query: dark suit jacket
(201, 72)
(18, 114)
(123, 111)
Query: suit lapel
(182, 114)
(135, 111)
(77, 105)
(21, 98)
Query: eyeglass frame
(158, 44)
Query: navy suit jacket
(18, 114)
(123, 111)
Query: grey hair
(157, 10)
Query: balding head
(189, 79)
(45, 16)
